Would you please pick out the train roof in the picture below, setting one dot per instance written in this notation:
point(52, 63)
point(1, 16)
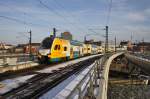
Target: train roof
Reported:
point(94, 45)
point(75, 42)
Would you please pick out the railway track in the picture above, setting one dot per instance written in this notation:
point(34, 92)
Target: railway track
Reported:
point(27, 71)
point(41, 83)
point(23, 72)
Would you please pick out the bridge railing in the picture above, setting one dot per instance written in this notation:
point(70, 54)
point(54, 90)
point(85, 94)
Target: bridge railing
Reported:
point(84, 84)
point(141, 58)
point(104, 77)
point(139, 62)
point(90, 83)
point(19, 66)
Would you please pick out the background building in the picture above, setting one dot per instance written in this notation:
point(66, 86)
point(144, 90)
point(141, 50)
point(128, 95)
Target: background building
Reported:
point(34, 48)
point(142, 47)
point(127, 45)
point(5, 46)
point(24, 48)
point(66, 35)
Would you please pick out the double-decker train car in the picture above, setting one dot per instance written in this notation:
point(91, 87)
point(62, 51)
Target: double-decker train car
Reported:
point(89, 49)
point(99, 49)
point(54, 49)
point(94, 49)
point(75, 49)
point(85, 49)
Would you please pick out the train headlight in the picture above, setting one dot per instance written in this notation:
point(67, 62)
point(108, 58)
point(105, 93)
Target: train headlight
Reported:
point(44, 52)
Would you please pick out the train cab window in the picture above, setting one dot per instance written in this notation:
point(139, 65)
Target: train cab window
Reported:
point(65, 48)
point(47, 43)
point(57, 47)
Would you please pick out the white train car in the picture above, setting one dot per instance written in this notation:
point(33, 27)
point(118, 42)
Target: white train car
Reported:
point(94, 49)
point(89, 49)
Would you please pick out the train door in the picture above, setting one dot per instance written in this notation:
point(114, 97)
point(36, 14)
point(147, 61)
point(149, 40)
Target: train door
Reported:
point(71, 52)
point(57, 51)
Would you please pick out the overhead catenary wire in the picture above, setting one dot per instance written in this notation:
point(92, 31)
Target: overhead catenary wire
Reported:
point(94, 33)
point(13, 19)
point(60, 15)
point(110, 6)
point(10, 7)
point(55, 12)
point(70, 14)
point(18, 21)
point(62, 7)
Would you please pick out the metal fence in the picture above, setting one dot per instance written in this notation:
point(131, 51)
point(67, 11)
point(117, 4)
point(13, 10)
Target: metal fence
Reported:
point(90, 83)
point(85, 85)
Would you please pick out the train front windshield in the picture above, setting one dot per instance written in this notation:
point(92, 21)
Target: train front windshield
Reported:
point(47, 43)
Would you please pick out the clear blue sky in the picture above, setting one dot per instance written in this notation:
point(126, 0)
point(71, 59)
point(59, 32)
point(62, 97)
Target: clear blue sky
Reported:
point(77, 16)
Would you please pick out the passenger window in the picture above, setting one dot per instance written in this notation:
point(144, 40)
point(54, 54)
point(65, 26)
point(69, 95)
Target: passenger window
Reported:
point(56, 47)
point(65, 48)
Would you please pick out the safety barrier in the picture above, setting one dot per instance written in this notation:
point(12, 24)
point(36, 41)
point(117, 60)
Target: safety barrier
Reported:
point(142, 63)
point(141, 58)
point(84, 83)
point(19, 66)
point(104, 78)
point(91, 83)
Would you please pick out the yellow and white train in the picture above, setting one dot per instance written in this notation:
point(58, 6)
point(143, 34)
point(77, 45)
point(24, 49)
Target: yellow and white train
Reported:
point(54, 49)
